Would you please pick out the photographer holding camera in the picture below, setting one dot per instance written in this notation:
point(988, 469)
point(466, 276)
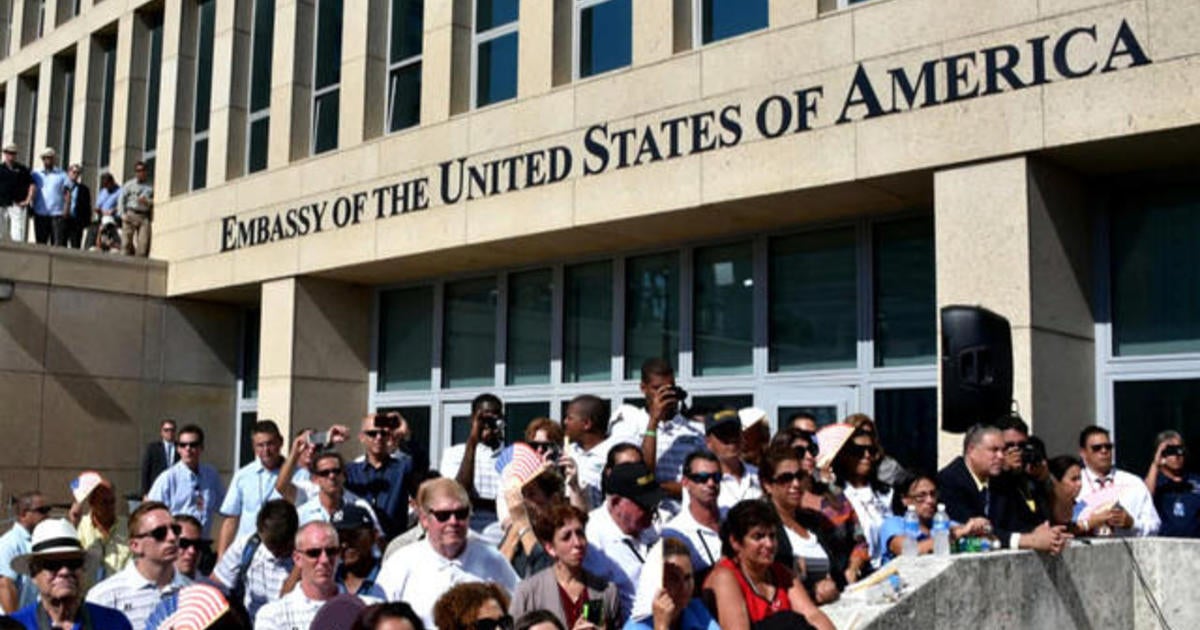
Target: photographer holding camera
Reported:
point(1023, 475)
point(473, 464)
point(1176, 492)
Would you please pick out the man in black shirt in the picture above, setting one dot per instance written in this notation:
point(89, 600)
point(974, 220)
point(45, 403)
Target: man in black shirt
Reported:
point(16, 195)
point(79, 208)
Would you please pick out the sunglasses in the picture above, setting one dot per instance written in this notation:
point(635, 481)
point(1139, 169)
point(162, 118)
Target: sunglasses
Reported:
point(810, 449)
point(503, 623)
point(375, 434)
point(199, 543)
point(859, 450)
point(789, 477)
point(1096, 448)
point(542, 447)
point(315, 552)
point(461, 514)
point(1174, 450)
point(703, 478)
point(183, 445)
point(159, 533)
point(43, 510)
point(1010, 446)
point(329, 473)
point(54, 565)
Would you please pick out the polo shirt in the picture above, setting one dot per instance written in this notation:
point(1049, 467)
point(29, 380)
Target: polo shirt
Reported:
point(312, 510)
point(419, 575)
point(294, 611)
point(52, 186)
point(487, 478)
point(106, 554)
point(384, 489)
point(590, 465)
point(132, 594)
point(1134, 498)
point(251, 486)
point(1178, 504)
point(735, 490)
point(14, 543)
point(197, 493)
point(100, 616)
point(367, 588)
point(703, 542)
point(264, 577)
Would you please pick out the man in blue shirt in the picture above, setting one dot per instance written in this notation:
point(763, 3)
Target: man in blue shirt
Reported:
point(382, 479)
point(106, 208)
point(50, 204)
point(252, 485)
point(16, 590)
point(1176, 492)
point(189, 487)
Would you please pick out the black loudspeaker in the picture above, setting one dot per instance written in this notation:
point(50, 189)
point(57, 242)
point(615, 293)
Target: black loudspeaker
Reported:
point(977, 367)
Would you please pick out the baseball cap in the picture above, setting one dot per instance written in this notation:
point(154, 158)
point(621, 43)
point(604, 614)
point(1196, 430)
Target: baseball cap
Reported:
point(717, 419)
point(635, 482)
point(351, 516)
point(751, 415)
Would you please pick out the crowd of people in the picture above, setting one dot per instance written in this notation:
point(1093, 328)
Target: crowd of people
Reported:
point(64, 211)
point(653, 517)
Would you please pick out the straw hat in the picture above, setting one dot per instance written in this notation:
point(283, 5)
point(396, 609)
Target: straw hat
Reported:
point(53, 537)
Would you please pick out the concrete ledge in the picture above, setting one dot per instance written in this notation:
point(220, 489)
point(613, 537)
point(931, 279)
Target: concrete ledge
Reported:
point(41, 264)
point(1092, 585)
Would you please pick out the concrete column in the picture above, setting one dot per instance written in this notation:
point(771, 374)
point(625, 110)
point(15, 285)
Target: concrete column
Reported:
point(291, 81)
point(364, 69)
point(239, 90)
point(1014, 236)
point(224, 39)
point(174, 110)
point(16, 29)
point(654, 29)
point(314, 353)
point(129, 96)
point(82, 113)
point(535, 47)
point(41, 123)
point(11, 92)
point(51, 18)
point(446, 60)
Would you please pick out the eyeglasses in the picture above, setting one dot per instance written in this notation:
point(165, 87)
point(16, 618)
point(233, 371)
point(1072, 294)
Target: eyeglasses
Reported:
point(924, 496)
point(199, 543)
point(159, 533)
point(860, 450)
point(315, 552)
point(808, 449)
point(503, 623)
point(461, 514)
point(789, 477)
point(703, 478)
point(183, 445)
point(375, 434)
point(54, 565)
point(43, 509)
point(328, 473)
point(1096, 448)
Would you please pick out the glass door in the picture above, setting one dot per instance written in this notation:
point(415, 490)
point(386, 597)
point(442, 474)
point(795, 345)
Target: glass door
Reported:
point(826, 404)
point(455, 429)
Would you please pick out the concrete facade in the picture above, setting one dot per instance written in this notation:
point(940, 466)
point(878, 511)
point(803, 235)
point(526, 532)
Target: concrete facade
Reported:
point(1006, 165)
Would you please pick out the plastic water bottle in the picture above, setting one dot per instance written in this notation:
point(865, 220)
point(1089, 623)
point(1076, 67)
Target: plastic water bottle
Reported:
point(941, 532)
point(912, 531)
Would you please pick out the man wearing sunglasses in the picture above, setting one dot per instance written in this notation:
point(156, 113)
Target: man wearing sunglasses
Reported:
point(55, 566)
point(382, 479)
point(194, 550)
point(137, 589)
point(329, 473)
point(1134, 513)
point(739, 480)
point(422, 571)
point(1176, 492)
point(316, 555)
point(699, 524)
point(16, 590)
point(189, 486)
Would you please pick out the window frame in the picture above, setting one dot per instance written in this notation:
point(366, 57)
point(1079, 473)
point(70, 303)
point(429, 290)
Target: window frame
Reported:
point(698, 25)
point(394, 68)
point(319, 93)
point(255, 115)
point(202, 136)
point(579, 6)
point(478, 39)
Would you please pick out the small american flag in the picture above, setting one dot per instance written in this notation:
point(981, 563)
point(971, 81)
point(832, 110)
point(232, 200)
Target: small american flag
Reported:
point(198, 607)
point(525, 465)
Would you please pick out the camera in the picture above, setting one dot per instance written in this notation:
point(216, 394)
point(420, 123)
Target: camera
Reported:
point(387, 421)
point(1032, 453)
point(319, 439)
point(1173, 450)
point(680, 393)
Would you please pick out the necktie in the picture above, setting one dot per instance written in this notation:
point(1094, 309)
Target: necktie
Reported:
point(170, 453)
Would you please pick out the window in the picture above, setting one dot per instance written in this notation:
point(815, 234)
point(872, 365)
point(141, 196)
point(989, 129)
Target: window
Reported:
point(494, 62)
point(907, 423)
point(905, 293)
point(1144, 408)
point(405, 39)
point(722, 19)
point(327, 75)
point(651, 310)
point(813, 308)
point(153, 61)
point(469, 336)
point(518, 415)
point(603, 35)
point(66, 93)
point(247, 391)
point(108, 52)
point(252, 321)
point(723, 317)
point(587, 322)
point(406, 339)
point(206, 16)
point(530, 320)
point(258, 122)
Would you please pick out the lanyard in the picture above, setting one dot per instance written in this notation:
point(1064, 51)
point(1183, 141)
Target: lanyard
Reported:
point(633, 547)
point(708, 552)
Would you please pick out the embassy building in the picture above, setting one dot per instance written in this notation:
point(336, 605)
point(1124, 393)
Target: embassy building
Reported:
point(393, 204)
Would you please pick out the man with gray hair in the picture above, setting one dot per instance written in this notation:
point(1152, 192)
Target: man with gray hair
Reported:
point(965, 487)
point(1176, 491)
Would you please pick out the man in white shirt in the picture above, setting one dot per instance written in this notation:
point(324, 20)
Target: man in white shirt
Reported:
point(586, 427)
point(422, 571)
point(137, 589)
point(1134, 514)
point(252, 485)
point(622, 529)
point(739, 480)
point(256, 566)
point(699, 524)
point(473, 464)
point(329, 473)
point(316, 554)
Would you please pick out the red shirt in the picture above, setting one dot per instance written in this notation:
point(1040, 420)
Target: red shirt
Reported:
point(757, 606)
point(572, 609)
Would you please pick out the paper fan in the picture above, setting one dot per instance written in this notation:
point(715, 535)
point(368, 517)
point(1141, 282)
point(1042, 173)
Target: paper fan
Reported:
point(84, 484)
point(526, 464)
point(198, 607)
point(1100, 500)
point(502, 460)
point(830, 440)
point(650, 580)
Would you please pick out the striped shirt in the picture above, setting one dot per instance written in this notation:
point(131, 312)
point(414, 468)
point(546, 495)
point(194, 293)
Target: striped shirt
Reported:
point(264, 577)
point(132, 594)
point(294, 611)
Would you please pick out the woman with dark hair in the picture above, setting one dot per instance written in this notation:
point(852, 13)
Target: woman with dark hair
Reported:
point(890, 470)
point(538, 620)
point(919, 490)
point(855, 466)
point(748, 585)
point(1066, 478)
point(564, 588)
point(675, 606)
point(388, 616)
point(473, 606)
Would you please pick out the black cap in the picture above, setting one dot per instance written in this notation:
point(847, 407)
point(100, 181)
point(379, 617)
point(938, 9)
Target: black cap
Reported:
point(635, 482)
point(351, 516)
point(721, 418)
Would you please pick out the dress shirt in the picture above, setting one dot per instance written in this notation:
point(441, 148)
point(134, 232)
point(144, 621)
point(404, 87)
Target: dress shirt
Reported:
point(590, 464)
point(169, 451)
point(294, 611)
point(100, 616)
point(12, 544)
point(312, 510)
point(704, 542)
point(186, 491)
point(1134, 498)
point(106, 200)
point(132, 594)
point(735, 489)
point(52, 188)
point(251, 486)
point(419, 575)
point(626, 553)
point(487, 478)
point(384, 489)
point(106, 554)
point(264, 577)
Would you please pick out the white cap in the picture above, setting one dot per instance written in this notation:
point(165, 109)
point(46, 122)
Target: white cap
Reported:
point(751, 415)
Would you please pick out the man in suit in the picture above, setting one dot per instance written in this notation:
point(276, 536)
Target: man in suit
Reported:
point(965, 487)
point(160, 455)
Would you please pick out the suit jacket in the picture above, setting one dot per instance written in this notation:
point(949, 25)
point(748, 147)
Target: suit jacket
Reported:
point(154, 461)
point(540, 592)
point(1004, 507)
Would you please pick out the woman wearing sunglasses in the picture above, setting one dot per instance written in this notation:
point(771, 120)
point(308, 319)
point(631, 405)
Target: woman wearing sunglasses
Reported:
point(855, 468)
point(920, 491)
point(473, 606)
